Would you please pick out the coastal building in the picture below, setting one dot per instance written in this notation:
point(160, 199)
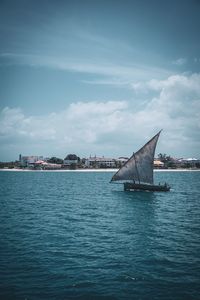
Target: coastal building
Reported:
point(70, 159)
point(120, 161)
point(43, 165)
point(29, 161)
point(100, 162)
point(158, 164)
point(187, 162)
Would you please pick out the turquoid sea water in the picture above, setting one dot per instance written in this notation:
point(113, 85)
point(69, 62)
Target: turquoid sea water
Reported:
point(72, 235)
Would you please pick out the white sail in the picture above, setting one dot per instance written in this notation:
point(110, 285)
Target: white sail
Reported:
point(139, 167)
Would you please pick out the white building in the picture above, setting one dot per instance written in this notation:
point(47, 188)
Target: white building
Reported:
point(191, 161)
point(158, 164)
point(100, 162)
point(46, 166)
point(121, 161)
point(28, 161)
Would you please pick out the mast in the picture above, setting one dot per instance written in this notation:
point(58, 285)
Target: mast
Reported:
point(136, 168)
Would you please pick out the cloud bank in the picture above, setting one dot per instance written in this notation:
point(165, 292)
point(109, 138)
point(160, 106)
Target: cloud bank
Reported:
point(114, 127)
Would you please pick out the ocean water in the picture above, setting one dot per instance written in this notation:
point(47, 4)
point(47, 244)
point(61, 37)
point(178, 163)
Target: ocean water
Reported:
point(72, 235)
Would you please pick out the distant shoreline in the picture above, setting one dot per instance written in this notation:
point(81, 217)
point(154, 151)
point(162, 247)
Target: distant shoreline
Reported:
point(95, 170)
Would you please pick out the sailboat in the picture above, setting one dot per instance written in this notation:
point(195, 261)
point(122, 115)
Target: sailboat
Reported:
point(137, 172)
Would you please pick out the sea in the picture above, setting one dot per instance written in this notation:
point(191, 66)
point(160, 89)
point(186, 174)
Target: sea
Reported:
point(73, 235)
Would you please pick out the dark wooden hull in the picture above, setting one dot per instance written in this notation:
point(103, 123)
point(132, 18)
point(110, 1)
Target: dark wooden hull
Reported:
point(128, 186)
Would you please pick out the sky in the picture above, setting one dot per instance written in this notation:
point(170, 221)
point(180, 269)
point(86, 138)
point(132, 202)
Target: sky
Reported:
point(99, 77)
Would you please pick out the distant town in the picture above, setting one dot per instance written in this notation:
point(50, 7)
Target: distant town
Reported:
point(73, 162)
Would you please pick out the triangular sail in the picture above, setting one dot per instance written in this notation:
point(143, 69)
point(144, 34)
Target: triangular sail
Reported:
point(139, 167)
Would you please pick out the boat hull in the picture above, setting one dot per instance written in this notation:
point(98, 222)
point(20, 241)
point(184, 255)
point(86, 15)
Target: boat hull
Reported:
point(128, 186)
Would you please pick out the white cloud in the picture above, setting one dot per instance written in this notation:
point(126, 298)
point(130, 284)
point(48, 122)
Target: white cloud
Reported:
point(113, 127)
point(76, 127)
point(113, 72)
point(180, 61)
point(176, 108)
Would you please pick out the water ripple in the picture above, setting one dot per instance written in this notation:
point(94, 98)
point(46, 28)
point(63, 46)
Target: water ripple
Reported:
point(75, 236)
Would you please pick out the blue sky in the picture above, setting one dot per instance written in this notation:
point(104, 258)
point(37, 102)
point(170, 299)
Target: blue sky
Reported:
point(99, 77)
